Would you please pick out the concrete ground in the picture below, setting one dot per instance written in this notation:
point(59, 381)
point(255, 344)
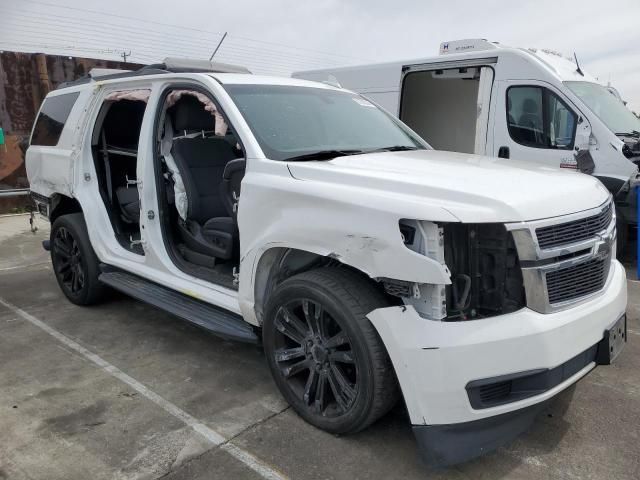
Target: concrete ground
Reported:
point(121, 391)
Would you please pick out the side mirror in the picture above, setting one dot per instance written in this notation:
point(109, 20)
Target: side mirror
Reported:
point(584, 161)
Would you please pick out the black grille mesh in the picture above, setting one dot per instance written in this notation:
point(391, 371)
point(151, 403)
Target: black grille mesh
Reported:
point(574, 231)
point(577, 281)
point(495, 392)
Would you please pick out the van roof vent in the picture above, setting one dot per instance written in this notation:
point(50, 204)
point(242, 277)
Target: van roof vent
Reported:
point(467, 45)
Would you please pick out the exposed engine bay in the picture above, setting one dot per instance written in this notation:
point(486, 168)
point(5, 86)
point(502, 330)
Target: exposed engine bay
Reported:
point(486, 278)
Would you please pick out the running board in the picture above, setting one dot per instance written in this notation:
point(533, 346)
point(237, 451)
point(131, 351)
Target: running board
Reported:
point(218, 321)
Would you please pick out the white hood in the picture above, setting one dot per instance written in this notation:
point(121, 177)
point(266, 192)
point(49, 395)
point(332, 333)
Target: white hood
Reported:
point(470, 187)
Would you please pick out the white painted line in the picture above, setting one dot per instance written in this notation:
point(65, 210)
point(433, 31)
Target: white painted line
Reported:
point(20, 267)
point(211, 435)
point(252, 462)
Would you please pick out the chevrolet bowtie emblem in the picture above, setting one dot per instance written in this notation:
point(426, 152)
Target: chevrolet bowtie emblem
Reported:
point(602, 247)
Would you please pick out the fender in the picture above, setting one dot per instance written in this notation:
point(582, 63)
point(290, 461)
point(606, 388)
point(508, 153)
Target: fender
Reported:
point(358, 229)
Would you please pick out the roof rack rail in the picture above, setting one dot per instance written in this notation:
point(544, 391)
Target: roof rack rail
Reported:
point(175, 64)
point(169, 65)
point(105, 72)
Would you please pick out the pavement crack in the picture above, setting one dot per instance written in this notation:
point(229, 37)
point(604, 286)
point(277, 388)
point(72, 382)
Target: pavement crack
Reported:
point(228, 441)
point(256, 424)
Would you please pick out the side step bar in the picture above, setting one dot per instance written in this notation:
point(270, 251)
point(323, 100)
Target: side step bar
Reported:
point(218, 321)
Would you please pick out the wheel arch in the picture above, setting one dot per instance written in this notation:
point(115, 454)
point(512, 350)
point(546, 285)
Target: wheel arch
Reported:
point(63, 205)
point(276, 264)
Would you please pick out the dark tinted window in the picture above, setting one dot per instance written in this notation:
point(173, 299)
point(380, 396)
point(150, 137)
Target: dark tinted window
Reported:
point(538, 118)
point(50, 122)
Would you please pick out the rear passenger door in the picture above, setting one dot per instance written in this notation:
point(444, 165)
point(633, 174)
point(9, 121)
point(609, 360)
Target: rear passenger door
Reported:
point(534, 122)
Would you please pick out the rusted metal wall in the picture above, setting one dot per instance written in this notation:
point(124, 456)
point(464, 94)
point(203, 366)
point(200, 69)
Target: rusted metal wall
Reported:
point(25, 79)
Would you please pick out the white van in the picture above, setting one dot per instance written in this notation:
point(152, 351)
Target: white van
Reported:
point(301, 216)
point(480, 97)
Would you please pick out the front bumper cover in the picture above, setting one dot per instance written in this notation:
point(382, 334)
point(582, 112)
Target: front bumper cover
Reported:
point(445, 445)
point(435, 361)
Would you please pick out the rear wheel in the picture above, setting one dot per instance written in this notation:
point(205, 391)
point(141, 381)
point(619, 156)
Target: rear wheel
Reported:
point(74, 262)
point(325, 356)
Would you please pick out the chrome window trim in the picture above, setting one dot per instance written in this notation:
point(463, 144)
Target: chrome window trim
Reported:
point(536, 264)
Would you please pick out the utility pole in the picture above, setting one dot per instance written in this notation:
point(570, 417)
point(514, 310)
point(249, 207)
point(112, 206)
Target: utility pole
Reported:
point(124, 56)
point(43, 75)
point(219, 43)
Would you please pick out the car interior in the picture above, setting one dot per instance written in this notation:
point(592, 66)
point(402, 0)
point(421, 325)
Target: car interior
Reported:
point(201, 167)
point(115, 154)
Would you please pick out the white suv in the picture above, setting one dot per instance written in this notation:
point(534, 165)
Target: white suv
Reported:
point(368, 265)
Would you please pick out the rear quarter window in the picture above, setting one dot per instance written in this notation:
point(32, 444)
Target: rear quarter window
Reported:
point(51, 119)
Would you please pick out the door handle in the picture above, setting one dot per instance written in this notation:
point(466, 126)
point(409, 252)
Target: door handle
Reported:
point(503, 152)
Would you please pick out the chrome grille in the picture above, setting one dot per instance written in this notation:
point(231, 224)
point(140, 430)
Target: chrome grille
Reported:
point(575, 231)
point(578, 280)
point(565, 260)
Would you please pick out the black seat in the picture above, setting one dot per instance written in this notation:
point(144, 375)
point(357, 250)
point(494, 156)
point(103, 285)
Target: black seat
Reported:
point(129, 201)
point(209, 229)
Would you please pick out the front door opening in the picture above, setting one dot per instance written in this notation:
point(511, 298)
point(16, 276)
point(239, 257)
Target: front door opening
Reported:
point(199, 169)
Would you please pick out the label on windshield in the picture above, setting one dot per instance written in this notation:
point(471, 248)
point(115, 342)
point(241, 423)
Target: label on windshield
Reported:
point(363, 102)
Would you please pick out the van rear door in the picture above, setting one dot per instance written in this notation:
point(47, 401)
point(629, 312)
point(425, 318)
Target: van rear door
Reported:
point(535, 122)
point(447, 103)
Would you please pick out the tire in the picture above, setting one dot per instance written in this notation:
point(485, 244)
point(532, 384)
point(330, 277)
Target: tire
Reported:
point(325, 356)
point(75, 264)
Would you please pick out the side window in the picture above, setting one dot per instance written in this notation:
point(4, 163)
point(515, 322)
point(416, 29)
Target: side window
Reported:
point(53, 115)
point(537, 118)
point(562, 123)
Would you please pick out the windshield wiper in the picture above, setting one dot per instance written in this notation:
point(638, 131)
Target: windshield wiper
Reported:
point(632, 133)
point(331, 154)
point(323, 155)
point(394, 148)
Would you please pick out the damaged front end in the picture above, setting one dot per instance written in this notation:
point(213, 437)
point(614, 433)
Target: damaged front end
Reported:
point(485, 272)
point(477, 357)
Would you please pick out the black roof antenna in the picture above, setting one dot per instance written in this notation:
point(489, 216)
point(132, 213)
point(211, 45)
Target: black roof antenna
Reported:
point(578, 69)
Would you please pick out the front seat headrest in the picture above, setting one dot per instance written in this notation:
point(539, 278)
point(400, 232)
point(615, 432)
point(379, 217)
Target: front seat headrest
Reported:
point(190, 115)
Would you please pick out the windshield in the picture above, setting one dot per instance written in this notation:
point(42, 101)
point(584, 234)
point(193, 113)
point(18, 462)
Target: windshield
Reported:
point(615, 115)
point(294, 123)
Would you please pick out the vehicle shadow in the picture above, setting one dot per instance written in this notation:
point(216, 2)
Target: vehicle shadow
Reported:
point(520, 455)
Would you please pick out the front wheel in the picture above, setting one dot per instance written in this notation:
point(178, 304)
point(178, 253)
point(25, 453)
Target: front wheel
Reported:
point(325, 356)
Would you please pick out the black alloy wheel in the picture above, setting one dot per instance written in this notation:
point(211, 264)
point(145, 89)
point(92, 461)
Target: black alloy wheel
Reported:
point(315, 356)
point(324, 354)
point(68, 261)
point(75, 264)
